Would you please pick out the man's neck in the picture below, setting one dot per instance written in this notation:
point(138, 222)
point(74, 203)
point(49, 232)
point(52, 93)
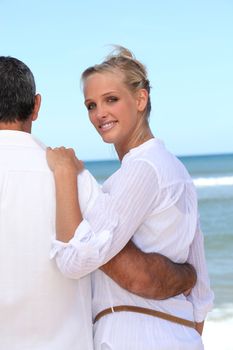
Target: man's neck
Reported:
point(17, 126)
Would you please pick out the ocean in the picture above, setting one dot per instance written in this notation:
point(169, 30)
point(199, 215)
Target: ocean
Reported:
point(213, 177)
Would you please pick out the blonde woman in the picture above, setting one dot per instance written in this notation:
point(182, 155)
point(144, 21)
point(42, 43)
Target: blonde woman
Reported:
point(150, 200)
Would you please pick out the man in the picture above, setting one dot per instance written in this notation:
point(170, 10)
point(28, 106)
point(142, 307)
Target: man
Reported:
point(39, 308)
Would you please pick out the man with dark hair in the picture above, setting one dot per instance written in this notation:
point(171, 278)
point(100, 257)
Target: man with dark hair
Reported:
point(17, 91)
point(39, 308)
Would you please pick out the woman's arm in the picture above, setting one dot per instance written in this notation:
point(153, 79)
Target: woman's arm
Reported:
point(111, 222)
point(201, 295)
point(65, 167)
point(134, 270)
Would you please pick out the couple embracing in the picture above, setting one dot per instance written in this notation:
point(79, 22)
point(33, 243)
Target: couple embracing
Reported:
point(85, 267)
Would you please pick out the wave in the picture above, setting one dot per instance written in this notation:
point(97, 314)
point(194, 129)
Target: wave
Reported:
point(213, 181)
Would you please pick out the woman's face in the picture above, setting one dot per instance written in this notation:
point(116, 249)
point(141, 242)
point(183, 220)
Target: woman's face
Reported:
point(113, 109)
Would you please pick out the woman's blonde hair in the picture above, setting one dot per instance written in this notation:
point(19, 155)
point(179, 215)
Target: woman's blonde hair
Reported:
point(134, 71)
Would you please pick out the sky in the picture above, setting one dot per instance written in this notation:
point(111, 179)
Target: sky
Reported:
point(186, 45)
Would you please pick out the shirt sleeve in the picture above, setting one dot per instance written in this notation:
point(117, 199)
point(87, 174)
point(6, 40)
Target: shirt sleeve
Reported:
point(111, 222)
point(201, 295)
point(89, 191)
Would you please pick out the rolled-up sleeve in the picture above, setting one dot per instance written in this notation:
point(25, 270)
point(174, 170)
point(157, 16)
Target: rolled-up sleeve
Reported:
point(111, 222)
point(201, 296)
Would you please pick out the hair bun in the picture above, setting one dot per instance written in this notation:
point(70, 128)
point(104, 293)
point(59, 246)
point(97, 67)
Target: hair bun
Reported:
point(120, 51)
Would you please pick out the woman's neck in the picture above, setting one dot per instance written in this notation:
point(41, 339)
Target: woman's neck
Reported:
point(141, 137)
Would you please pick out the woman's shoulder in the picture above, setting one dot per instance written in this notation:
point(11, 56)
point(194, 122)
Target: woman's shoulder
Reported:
point(167, 167)
point(143, 156)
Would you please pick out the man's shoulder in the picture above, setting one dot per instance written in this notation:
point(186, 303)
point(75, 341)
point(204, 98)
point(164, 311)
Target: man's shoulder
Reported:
point(23, 152)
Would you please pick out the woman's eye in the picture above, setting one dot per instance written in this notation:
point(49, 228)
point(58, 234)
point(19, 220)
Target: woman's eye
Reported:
point(112, 99)
point(91, 106)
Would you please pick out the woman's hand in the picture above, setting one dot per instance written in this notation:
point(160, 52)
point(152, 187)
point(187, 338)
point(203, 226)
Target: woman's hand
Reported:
point(63, 159)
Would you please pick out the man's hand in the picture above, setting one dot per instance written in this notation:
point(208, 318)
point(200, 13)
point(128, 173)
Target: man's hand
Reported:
point(187, 292)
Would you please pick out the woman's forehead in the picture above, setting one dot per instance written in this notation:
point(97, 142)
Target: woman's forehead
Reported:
point(104, 80)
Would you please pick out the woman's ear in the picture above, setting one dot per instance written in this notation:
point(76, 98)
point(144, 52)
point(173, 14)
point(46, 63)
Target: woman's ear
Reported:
point(142, 99)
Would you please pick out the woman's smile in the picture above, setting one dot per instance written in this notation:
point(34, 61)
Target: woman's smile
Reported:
point(106, 126)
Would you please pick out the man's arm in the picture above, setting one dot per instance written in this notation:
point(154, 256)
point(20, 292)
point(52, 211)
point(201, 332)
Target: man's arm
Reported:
point(149, 275)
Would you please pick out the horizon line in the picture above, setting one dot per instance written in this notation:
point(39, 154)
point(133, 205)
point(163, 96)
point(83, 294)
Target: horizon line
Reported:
point(178, 156)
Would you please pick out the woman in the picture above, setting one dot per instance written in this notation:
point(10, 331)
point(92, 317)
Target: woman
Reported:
point(150, 199)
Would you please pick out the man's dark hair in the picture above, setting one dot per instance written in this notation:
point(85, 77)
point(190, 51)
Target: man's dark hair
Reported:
point(17, 90)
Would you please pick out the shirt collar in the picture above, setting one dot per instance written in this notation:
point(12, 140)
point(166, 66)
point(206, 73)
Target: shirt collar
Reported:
point(137, 150)
point(19, 138)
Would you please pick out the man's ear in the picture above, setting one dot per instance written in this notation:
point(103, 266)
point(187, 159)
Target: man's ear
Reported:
point(36, 107)
point(142, 99)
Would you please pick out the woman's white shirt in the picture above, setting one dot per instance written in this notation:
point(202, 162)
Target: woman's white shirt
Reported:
point(151, 199)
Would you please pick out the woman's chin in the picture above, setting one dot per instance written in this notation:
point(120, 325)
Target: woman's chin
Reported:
point(107, 140)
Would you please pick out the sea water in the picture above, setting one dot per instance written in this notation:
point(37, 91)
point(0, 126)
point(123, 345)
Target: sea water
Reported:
point(213, 177)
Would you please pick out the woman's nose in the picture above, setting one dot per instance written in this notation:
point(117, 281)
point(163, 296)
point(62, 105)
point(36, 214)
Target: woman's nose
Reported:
point(101, 112)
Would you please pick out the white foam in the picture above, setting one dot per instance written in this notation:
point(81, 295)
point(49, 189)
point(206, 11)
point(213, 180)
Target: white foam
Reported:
point(213, 181)
point(218, 330)
point(218, 335)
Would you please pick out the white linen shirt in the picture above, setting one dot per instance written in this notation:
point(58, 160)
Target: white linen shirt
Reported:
point(152, 200)
point(39, 308)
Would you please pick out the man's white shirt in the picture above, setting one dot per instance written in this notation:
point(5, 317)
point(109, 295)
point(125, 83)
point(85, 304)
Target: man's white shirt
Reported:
point(39, 308)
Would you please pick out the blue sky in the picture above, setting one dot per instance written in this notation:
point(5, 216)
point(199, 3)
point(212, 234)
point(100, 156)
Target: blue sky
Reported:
point(186, 45)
